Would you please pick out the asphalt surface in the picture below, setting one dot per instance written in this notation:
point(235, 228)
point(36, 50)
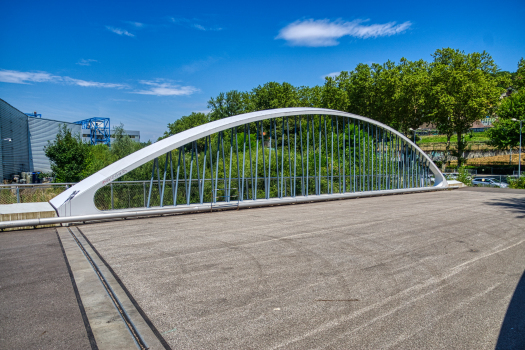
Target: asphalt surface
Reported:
point(493, 190)
point(422, 271)
point(38, 307)
point(441, 270)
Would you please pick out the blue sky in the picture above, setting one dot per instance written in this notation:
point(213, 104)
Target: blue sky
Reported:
point(145, 64)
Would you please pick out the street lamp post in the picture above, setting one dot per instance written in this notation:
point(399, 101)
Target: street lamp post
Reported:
point(519, 159)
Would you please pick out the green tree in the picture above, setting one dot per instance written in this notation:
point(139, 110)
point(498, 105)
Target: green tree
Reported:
point(386, 82)
point(184, 123)
point(370, 91)
point(512, 106)
point(505, 133)
point(359, 87)
point(463, 90)
point(68, 155)
point(122, 145)
point(229, 104)
point(97, 158)
point(333, 94)
point(310, 96)
point(100, 156)
point(411, 95)
point(274, 95)
point(519, 78)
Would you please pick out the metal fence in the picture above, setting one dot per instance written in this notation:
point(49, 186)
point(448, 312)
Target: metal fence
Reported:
point(21, 193)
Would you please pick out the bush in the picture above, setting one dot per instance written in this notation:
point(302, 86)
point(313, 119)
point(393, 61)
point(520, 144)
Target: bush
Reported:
point(517, 182)
point(464, 176)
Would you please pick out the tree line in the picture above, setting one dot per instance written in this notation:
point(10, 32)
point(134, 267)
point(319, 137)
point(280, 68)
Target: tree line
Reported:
point(449, 93)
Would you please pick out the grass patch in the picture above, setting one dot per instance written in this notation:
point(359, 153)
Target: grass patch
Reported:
point(478, 137)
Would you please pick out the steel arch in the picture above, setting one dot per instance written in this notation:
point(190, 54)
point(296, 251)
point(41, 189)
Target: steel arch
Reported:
point(79, 199)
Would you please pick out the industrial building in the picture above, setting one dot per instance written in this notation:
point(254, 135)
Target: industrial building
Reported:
point(24, 136)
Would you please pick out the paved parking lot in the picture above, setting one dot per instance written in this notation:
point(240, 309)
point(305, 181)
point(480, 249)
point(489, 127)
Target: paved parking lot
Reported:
point(437, 270)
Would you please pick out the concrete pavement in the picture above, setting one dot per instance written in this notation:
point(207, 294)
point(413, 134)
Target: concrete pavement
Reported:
point(38, 306)
point(420, 271)
point(442, 270)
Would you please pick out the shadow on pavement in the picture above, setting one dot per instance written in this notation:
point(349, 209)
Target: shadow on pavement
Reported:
point(516, 205)
point(512, 333)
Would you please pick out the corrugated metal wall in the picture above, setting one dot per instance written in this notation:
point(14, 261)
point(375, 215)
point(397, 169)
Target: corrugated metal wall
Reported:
point(14, 149)
point(41, 131)
point(22, 141)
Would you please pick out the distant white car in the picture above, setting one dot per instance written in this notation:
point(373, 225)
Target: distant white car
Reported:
point(488, 182)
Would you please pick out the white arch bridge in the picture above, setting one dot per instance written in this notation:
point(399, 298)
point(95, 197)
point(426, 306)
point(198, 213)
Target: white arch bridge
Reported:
point(277, 156)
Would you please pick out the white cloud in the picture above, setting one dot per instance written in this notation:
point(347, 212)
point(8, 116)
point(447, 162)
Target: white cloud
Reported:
point(323, 32)
point(87, 62)
point(161, 87)
point(135, 24)
point(119, 31)
point(200, 27)
point(158, 87)
point(86, 83)
point(16, 77)
point(192, 23)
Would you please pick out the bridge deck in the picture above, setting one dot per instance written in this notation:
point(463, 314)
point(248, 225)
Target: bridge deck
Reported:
point(436, 270)
point(420, 271)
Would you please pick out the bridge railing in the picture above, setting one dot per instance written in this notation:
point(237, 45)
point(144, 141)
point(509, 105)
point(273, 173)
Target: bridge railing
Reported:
point(28, 193)
point(261, 156)
point(275, 158)
point(135, 194)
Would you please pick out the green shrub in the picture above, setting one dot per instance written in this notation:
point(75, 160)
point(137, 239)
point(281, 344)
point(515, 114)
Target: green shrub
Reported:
point(464, 176)
point(517, 182)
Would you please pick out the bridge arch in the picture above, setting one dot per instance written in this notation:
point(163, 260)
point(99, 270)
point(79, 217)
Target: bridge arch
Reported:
point(370, 157)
